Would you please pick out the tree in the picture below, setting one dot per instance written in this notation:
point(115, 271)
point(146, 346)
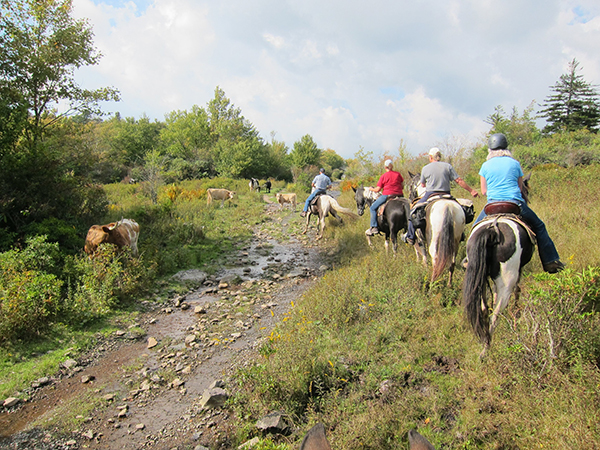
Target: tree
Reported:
point(574, 104)
point(305, 153)
point(41, 46)
point(518, 129)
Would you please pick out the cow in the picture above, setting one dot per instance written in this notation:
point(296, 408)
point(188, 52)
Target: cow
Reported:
point(218, 194)
point(268, 186)
point(286, 198)
point(123, 233)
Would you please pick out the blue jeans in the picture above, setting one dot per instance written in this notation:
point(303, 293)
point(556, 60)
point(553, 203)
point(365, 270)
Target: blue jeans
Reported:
point(410, 233)
point(546, 248)
point(311, 196)
point(376, 204)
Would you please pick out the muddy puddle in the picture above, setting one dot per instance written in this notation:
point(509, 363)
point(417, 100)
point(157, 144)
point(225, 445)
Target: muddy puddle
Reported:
point(137, 397)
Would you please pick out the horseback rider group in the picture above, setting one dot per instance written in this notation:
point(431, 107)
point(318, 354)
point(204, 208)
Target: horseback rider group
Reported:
point(501, 179)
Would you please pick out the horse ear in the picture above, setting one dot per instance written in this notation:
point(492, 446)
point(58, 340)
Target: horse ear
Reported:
point(353, 188)
point(410, 174)
point(527, 177)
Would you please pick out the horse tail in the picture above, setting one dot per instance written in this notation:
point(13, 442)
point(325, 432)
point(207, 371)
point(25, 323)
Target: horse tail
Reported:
point(445, 245)
point(479, 247)
point(340, 209)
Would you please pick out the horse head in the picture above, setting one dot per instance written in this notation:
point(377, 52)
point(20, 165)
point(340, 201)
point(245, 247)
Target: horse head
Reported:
point(359, 197)
point(414, 186)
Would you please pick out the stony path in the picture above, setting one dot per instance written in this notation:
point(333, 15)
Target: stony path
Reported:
point(145, 387)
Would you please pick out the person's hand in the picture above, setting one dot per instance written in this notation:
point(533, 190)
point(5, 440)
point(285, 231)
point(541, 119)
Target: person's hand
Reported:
point(474, 193)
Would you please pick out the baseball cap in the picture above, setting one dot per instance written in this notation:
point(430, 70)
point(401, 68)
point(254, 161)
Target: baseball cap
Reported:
point(387, 163)
point(435, 151)
point(322, 170)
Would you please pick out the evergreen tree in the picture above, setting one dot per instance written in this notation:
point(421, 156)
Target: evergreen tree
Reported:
point(574, 104)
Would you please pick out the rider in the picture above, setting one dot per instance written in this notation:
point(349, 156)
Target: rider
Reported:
point(320, 185)
point(501, 179)
point(435, 178)
point(390, 185)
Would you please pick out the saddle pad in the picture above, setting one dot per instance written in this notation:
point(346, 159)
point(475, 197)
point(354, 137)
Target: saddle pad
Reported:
point(381, 209)
point(494, 218)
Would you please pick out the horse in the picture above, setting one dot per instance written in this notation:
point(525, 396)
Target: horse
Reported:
point(446, 222)
point(254, 185)
point(394, 218)
point(498, 248)
point(322, 206)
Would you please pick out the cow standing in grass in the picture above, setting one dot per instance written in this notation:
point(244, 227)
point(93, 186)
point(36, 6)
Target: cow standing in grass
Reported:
point(218, 194)
point(123, 233)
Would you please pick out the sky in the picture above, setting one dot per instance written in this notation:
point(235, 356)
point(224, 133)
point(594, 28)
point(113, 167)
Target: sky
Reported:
point(352, 74)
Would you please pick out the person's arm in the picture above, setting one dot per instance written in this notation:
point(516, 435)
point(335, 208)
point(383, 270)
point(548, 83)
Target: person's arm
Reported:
point(483, 185)
point(462, 183)
point(376, 188)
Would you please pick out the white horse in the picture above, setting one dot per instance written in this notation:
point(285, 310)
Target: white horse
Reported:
point(325, 205)
point(446, 223)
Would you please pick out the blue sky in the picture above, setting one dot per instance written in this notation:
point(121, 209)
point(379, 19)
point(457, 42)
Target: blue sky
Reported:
point(349, 73)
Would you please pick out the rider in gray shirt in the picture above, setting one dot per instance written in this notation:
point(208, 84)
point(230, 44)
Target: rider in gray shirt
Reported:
point(436, 178)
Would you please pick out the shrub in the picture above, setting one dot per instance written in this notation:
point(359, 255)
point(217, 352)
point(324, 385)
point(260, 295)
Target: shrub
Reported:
point(29, 294)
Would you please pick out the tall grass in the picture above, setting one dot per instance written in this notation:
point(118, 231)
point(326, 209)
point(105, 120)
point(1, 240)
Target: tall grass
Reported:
point(372, 351)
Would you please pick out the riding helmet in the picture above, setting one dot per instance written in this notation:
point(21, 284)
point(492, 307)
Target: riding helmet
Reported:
point(497, 142)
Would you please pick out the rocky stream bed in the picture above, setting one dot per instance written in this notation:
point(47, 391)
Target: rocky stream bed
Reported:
point(160, 382)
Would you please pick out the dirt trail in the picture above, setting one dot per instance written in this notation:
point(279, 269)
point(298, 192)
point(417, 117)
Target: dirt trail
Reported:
point(150, 397)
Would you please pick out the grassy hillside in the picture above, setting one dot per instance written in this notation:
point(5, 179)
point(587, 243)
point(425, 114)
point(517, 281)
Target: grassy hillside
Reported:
point(372, 352)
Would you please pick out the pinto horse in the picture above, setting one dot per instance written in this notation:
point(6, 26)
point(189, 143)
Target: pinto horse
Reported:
point(321, 207)
point(497, 249)
point(444, 230)
point(394, 217)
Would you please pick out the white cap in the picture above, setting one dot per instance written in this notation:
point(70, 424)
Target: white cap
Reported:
point(435, 151)
point(387, 163)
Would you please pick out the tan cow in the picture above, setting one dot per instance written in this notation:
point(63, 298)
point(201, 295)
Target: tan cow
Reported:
point(286, 198)
point(218, 194)
point(123, 233)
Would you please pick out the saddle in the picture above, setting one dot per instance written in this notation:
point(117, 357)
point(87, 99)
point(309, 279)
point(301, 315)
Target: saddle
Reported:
point(418, 213)
point(313, 202)
point(494, 208)
point(390, 198)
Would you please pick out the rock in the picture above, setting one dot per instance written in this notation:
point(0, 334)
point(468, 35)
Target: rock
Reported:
point(88, 434)
point(119, 333)
point(193, 275)
point(152, 342)
point(274, 422)
point(190, 338)
point(212, 398)
point(324, 267)
point(217, 384)
point(315, 439)
point(177, 382)
point(87, 378)
point(140, 426)
point(185, 306)
point(69, 364)
point(10, 402)
point(199, 310)
point(249, 444)
point(109, 397)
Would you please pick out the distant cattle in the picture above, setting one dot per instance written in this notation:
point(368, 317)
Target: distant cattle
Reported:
point(268, 186)
point(218, 194)
point(286, 198)
point(123, 233)
point(254, 185)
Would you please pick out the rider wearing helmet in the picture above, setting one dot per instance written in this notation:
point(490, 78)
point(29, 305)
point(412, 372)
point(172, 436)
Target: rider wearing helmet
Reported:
point(435, 178)
point(390, 184)
point(501, 179)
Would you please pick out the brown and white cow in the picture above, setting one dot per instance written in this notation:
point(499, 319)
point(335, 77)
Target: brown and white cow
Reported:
point(286, 198)
point(218, 194)
point(123, 233)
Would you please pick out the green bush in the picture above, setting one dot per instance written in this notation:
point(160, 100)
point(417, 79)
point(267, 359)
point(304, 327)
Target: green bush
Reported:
point(29, 293)
point(101, 283)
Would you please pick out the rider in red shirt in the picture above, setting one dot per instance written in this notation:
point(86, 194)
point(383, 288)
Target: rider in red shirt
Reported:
point(389, 184)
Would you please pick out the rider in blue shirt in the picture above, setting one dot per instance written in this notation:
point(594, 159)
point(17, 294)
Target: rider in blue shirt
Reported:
point(320, 184)
point(501, 179)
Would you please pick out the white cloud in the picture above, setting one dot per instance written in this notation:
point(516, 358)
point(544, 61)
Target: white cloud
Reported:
point(348, 74)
